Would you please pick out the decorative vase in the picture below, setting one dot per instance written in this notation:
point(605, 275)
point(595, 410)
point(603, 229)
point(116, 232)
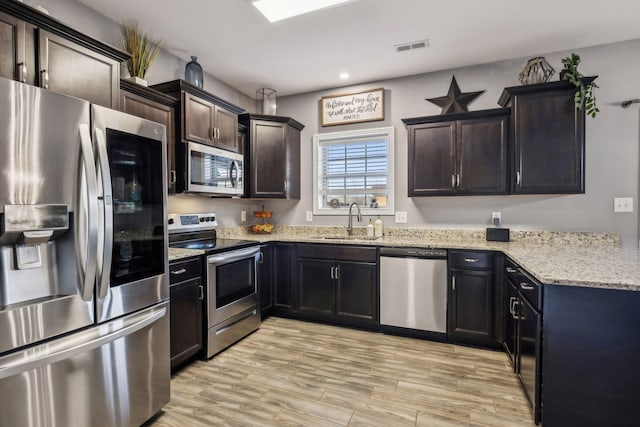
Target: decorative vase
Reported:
point(266, 101)
point(193, 72)
point(138, 81)
point(537, 70)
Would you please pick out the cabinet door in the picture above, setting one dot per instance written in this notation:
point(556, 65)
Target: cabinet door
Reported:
point(68, 68)
point(268, 159)
point(548, 143)
point(265, 278)
point(431, 159)
point(470, 305)
point(292, 163)
point(283, 275)
point(510, 295)
point(186, 320)
point(198, 119)
point(482, 156)
point(357, 290)
point(147, 109)
point(15, 64)
point(226, 123)
point(316, 286)
point(528, 353)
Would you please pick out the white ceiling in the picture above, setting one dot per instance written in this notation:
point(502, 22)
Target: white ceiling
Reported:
point(235, 43)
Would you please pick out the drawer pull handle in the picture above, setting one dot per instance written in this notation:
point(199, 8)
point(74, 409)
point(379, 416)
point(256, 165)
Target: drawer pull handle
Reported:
point(472, 260)
point(181, 271)
point(512, 302)
point(511, 270)
point(201, 293)
point(527, 287)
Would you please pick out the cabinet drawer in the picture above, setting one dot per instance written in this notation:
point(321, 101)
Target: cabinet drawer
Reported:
point(182, 270)
point(511, 270)
point(530, 289)
point(339, 252)
point(471, 260)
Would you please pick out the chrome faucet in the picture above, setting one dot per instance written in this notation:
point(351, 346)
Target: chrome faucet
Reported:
point(359, 218)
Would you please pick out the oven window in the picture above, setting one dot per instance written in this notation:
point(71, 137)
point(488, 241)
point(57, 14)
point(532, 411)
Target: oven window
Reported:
point(234, 281)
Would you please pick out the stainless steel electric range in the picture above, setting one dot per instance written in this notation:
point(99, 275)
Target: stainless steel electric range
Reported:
point(232, 305)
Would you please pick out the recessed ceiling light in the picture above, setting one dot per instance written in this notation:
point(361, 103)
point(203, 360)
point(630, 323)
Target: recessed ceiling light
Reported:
point(344, 76)
point(277, 10)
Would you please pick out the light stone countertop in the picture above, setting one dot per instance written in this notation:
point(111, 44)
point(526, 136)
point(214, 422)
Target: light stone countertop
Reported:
point(180, 253)
point(574, 259)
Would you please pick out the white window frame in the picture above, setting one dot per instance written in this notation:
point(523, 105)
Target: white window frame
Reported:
point(338, 137)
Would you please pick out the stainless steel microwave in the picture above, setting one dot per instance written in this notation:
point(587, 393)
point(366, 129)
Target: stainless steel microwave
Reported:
point(212, 170)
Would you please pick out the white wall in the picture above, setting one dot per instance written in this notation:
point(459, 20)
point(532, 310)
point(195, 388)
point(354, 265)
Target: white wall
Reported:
point(611, 147)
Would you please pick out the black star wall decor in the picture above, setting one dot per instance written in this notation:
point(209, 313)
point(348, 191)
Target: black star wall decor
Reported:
point(455, 101)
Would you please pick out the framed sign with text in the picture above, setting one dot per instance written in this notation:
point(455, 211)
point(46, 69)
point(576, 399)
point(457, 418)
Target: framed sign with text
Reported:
point(353, 107)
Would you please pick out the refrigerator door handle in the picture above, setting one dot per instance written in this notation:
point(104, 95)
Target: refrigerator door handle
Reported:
point(37, 357)
point(105, 251)
point(88, 253)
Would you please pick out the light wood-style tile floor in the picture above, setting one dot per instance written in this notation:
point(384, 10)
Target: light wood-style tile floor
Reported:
point(292, 373)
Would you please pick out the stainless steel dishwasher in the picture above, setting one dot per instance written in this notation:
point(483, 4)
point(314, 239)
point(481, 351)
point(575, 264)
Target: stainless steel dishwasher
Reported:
point(413, 288)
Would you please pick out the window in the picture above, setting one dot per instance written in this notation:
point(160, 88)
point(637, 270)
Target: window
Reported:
point(353, 166)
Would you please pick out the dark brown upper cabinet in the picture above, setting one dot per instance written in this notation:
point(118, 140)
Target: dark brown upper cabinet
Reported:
point(458, 154)
point(272, 156)
point(152, 105)
point(38, 49)
point(203, 117)
point(548, 138)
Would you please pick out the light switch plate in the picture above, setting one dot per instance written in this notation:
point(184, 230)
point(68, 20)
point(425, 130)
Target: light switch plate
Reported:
point(309, 215)
point(401, 217)
point(623, 204)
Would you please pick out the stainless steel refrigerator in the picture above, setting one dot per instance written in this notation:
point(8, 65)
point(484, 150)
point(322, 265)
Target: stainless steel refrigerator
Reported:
point(84, 324)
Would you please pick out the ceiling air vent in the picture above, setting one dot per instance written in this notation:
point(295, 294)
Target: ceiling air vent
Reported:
point(404, 47)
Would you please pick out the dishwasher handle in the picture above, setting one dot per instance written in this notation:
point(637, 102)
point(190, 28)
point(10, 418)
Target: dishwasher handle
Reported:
point(427, 253)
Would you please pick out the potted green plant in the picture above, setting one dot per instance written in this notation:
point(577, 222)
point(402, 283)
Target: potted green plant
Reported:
point(585, 98)
point(142, 48)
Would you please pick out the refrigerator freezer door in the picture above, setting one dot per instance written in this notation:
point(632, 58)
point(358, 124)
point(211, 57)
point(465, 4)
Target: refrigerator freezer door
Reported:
point(131, 156)
point(116, 374)
point(46, 185)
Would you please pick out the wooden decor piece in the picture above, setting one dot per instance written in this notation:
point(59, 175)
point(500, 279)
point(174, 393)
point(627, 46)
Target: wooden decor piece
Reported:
point(455, 101)
point(353, 107)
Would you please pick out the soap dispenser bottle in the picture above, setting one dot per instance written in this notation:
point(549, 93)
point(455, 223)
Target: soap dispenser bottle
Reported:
point(370, 232)
point(378, 227)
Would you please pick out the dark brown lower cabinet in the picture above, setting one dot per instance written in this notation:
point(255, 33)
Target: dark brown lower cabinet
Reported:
point(471, 317)
point(283, 276)
point(186, 293)
point(337, 284)
point(265, 278)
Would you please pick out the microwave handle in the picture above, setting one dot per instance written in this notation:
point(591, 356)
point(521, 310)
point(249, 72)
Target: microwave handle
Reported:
point(233, 178)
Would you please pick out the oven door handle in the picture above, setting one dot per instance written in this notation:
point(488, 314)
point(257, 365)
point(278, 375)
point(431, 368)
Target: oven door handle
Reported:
point(233, 256)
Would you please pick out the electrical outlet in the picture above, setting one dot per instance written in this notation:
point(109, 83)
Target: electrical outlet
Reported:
point(401, 217)
point(243, 216)
point(309, 216)
point(623, 204)
point(496, 218)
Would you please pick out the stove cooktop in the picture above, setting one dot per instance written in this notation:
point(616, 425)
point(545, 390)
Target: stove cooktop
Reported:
point(214, 245)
